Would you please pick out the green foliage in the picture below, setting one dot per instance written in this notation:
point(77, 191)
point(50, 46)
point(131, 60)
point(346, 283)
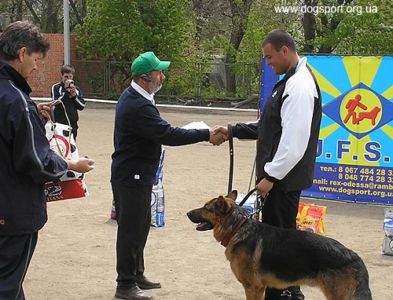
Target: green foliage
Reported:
point(261, 21)
point(362, 27)
point(367, 34)
point(118, 30)
point(121, 29)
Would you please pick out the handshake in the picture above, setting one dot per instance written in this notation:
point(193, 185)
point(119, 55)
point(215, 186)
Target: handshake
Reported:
point(218, 135)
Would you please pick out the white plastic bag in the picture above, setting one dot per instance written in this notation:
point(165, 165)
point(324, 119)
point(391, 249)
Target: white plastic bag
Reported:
point(158, 197)
point(387, 245)
point(70, 185)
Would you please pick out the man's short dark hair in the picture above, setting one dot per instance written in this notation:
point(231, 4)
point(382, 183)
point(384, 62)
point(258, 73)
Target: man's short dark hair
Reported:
point(278, 38)
point(67, 69)
point(22, 34)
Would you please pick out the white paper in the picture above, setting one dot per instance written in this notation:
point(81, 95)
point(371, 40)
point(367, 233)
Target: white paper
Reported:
point(196, 125)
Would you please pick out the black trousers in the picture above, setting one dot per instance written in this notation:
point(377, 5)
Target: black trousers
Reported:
point(133, 215)
point(15, 256)
point(280, 209)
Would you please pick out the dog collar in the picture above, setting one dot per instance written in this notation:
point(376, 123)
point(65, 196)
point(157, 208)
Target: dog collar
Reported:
point(226, 239)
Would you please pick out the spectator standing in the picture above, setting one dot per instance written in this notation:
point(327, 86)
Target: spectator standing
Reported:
point(71, 97)
point(27, 161)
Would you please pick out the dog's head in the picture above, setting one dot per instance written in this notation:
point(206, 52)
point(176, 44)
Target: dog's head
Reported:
point(211, 214)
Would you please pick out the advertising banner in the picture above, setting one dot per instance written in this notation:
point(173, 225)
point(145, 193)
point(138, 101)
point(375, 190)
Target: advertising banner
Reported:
point(355, 149)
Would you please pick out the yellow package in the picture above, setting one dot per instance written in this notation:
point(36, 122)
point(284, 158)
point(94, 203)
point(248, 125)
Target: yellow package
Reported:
point(310, 217)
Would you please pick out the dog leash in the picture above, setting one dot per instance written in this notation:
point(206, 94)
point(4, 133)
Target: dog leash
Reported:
point(230, 179)
point(247, 196)
point(258, 210)
point(231, 158)
point(245, 217)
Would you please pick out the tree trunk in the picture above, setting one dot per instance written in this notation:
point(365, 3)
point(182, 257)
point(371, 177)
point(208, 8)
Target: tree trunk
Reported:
point(84, 9)
point(197, 7)
point(309, 28)
point(36, 18)
point(329, 27)
point(19, 10)
point(240, 11)
point(78, 17)
point(51, 17)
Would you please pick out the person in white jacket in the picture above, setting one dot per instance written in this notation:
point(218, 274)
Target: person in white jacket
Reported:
point(287, 134)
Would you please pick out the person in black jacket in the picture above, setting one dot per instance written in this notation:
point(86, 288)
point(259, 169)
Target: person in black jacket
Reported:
point(71, 97)
point(287, 134)
point(138, 134)
point(27, 162)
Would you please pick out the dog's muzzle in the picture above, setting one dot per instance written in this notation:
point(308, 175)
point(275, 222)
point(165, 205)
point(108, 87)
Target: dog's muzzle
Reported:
point(202, 224)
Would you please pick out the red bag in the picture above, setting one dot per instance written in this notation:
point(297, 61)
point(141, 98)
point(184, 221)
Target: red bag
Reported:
point(62, 190)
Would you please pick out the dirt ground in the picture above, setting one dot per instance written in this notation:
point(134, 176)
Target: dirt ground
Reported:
point(75, 255)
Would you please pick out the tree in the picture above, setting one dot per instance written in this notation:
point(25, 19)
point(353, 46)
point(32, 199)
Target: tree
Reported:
point(221, 25)
point(11, 11)
point(123, 29)
point(369, 33)
point(47, 14)
point(239, 16)
point(262, 19)
point(119, 30)
point(356, 27)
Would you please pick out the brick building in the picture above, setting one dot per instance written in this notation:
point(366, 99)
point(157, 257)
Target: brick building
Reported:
point(49, 72)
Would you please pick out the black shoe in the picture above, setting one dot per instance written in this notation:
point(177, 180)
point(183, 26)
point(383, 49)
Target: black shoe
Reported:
point(131, 293)
point(146, 284)
point(292, 293)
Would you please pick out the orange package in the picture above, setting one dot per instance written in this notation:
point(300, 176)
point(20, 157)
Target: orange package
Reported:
point(310, 217)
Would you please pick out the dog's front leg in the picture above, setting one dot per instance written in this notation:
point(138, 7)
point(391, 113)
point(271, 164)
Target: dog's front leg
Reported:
point(254, 292)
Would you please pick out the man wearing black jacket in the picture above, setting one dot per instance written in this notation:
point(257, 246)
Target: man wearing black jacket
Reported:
point(287, 134)
point(71, 98)
point(26, 159)
point(139, 133)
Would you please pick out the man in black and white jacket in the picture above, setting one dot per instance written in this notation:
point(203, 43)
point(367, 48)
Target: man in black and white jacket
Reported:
point(287, 134)
point(72, 99)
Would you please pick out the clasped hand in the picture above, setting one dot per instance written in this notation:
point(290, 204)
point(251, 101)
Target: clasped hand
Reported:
point(218, 135)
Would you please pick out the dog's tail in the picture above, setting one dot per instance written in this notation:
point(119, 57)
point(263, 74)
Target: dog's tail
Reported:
point(362, 291)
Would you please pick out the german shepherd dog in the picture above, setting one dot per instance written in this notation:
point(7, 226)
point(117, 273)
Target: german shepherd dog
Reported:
point(266, 256)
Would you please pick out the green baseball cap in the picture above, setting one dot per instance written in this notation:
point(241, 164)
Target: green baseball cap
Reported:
point(147, 62)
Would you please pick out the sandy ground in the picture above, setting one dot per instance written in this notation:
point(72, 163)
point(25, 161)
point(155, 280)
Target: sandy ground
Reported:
point(75, 255)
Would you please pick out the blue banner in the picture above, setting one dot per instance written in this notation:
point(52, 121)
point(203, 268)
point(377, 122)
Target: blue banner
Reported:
point(355, 151)
point(268, 80)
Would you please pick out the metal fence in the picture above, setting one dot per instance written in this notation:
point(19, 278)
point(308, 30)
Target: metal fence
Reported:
point(197, 83)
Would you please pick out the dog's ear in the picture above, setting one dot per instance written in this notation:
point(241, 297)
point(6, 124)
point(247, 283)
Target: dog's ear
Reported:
point(222, 206)
point(233, 195)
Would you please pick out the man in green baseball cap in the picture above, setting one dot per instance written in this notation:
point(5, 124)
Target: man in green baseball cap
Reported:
point(139, 132)
point(147, 62)
point(147, 72)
